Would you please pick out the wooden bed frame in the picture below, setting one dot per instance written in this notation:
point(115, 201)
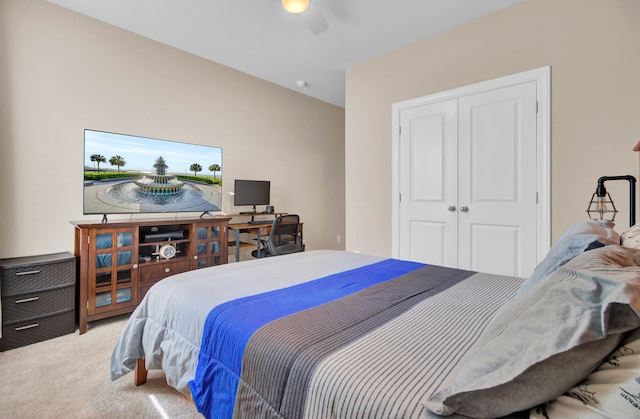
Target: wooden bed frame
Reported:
point(140, 377)
point(140, 373)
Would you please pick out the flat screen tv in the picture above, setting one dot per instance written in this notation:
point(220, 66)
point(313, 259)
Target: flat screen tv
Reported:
point(251, 192)
point(127, 174)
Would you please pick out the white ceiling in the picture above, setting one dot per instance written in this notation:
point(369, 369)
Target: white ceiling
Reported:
point(259, 38)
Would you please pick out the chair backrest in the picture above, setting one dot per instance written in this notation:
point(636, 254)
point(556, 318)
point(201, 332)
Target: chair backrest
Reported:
point(284, 236)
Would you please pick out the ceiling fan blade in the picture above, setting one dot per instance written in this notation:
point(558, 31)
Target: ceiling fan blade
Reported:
point(315, 19)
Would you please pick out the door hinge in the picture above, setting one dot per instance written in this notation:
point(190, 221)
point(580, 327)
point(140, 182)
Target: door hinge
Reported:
point(537, 107)
point(537, 198)
point(399, 197)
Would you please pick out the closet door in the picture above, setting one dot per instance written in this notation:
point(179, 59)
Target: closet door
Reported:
point(428, 184)
point(497, 181)
point(468, 181)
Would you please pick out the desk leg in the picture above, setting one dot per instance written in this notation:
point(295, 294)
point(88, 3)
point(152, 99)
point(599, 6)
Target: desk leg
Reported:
point(237, 246)
point(259, 252)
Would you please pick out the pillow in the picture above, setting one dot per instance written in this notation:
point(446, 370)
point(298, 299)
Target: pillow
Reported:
point(631, 237)
point(575, 240)
point(545, 341)
point(611, 391)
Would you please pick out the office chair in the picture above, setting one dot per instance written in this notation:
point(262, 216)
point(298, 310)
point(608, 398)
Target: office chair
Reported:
point(283, 238)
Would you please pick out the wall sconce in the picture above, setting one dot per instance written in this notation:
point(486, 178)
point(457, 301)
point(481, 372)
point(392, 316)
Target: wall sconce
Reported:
point(601, 203)
point(295, 6)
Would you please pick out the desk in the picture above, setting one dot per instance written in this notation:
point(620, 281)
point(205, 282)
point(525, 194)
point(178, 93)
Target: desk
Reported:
point(258, 229)
point(255, 214)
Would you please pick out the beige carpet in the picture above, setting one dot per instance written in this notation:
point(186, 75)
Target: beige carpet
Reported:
point(68, 377)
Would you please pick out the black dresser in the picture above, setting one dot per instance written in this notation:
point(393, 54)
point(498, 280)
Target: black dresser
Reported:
point(38, 298)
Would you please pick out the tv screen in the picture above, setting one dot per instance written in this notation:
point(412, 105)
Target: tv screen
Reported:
point(127, 174)
point(251, 192)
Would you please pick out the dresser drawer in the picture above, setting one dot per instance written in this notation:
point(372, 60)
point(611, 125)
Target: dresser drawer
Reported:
point(37, 303)
point(26, 332)
point(22, 277)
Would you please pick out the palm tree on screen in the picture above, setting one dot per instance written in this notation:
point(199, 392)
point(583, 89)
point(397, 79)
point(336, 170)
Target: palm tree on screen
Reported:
point(98, 158)
point(214, 168)
point(117, 161)
point(195, 168)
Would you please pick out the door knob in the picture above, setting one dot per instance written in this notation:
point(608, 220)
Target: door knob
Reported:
point(464, 209)
point(451, 208)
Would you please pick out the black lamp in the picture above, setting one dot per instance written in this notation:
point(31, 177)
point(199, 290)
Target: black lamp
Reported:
point(601, 203)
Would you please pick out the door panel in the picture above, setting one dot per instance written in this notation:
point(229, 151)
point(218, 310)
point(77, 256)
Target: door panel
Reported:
point(501, 256)
point(492, 150)
point(498, 180)
point(428, 241)
point(428, 183)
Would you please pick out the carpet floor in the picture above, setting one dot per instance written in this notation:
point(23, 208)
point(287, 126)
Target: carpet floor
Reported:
point(68, 377)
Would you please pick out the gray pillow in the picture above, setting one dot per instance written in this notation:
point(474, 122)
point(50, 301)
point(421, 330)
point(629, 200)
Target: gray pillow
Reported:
point(610, 391)
point(577, 239)
point(547, 340)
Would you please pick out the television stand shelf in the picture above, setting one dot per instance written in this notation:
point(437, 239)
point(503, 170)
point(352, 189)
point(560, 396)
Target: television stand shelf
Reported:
point(119, 261)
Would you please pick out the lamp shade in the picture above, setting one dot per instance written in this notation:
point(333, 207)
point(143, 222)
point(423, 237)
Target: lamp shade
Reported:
point(601, 205)
point(295, 6)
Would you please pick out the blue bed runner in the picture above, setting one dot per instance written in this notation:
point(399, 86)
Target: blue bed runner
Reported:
point(229, 326)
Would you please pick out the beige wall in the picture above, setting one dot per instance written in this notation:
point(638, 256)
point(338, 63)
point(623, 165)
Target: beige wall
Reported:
point(62, 72)
point(592, 48)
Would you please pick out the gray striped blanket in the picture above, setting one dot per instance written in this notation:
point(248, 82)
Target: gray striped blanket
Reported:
point(373, 354)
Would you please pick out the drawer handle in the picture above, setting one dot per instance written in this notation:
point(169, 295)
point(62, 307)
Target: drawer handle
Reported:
point(27, 273)
point(26, 300)
point(30, 326)
point(167, 270)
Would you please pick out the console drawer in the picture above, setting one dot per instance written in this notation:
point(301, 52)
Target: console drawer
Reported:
point(155, 271)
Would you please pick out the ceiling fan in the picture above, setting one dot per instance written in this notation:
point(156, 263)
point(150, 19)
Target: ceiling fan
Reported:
point(310, 12)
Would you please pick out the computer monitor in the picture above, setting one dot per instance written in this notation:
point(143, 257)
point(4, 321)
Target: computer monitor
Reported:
point(251, 192)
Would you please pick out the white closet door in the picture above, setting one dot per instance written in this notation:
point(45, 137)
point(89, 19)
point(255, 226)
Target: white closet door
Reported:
point(497, 169)
point(429, 183)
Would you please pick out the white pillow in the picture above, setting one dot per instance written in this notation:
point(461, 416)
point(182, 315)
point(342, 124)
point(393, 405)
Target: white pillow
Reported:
point(631, 237)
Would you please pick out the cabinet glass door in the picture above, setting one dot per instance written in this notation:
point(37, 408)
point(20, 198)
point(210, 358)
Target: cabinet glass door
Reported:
point(208, 246)
point(111, 282)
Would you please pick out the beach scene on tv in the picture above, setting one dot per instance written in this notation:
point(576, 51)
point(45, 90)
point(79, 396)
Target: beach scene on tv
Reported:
point(126, 174)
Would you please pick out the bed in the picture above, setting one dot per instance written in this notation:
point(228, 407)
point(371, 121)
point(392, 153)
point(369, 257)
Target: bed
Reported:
point(322, 334)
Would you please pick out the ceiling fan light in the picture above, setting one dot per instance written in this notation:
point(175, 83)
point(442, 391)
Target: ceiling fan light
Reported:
point(295, 6)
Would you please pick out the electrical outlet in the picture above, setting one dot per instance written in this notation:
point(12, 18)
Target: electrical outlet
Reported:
point(339, 239)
